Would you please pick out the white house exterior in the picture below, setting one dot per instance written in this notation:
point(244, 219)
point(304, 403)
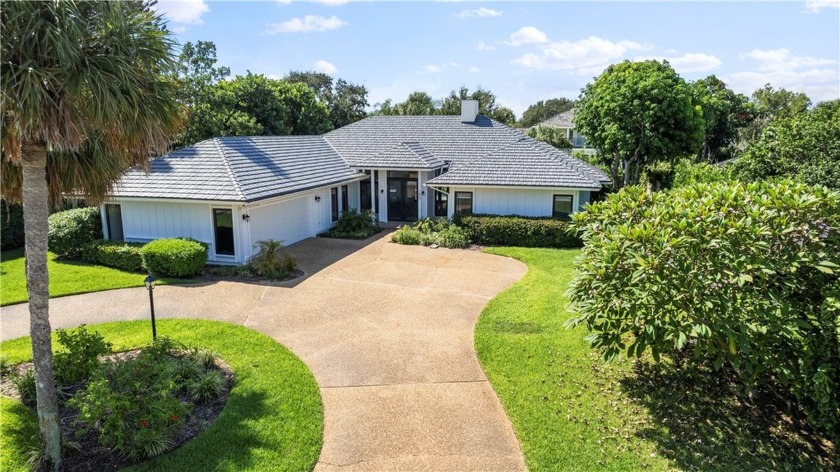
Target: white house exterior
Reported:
point(566, 122)
point(232, 192)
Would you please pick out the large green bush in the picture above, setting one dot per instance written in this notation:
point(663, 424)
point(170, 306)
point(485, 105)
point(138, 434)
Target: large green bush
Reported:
point(174, 257)
point(117, 254)
point(355, 225)
point(494, 230)
point(11, 225)
point(687, 172)
point(72, 230)
point(428, 231)
point(739, 275)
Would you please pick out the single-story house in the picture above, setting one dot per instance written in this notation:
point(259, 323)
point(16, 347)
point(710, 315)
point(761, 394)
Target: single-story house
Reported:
point(566, 122)
point(231, 192)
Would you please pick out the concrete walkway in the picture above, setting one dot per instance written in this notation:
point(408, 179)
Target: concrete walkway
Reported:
point(387, 330)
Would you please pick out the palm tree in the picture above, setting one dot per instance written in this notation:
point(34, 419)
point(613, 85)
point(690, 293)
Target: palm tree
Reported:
point(84, 96)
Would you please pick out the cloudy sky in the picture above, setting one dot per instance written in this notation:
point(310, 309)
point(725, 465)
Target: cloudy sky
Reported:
point(523, 52)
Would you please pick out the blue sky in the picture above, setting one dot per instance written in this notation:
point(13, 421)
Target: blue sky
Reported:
point(523, 52)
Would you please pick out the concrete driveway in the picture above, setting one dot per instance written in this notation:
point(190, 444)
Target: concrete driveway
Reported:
point(387, 330)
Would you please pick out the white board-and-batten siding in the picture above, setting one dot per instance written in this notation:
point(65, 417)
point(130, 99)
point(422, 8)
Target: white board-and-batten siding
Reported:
point(517, 201)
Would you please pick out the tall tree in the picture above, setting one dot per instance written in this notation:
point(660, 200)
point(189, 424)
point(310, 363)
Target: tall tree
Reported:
point(724, 113)
point(554, 136)
point(769, 104)
point(543, 110)
point(487, 106)
point(346, 101)
point(197, 75)
point(637, 113)
point(417, 103)
point(84, 96)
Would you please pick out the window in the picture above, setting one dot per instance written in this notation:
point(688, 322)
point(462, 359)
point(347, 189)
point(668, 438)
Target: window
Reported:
point(345, 199)
point(334, 201)
point(562, 206)
point(463, 203)
point(113, 220)
point(223, 231)
point(441, 202)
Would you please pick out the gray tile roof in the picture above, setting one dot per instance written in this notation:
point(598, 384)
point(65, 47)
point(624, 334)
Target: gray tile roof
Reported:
point(525, 162)
point(444, 136)
point(403, 156)
point(239, 169)
point(563, 120)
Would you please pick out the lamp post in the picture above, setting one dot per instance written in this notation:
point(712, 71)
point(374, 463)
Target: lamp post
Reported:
point(150, 286)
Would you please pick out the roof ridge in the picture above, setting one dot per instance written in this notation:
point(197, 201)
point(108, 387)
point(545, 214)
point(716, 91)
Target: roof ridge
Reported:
point(229, 169)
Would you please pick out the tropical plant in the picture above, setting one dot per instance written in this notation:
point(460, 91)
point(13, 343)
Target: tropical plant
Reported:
point(740, 276)
point(84, 96)
point(272, 260)
point(355, 225)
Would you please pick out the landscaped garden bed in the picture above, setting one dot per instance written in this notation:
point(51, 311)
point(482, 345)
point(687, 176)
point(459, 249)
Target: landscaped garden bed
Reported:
point(354, 225)
point(272, 420)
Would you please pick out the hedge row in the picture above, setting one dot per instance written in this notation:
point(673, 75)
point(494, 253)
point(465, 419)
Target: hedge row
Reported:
point(71, 230)
point(120, 255)
point(174, 257)
point(523, 231)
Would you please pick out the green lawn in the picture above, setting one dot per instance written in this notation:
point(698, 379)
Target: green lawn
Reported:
point(67, 277)
point(571, 411)
point(273, 419)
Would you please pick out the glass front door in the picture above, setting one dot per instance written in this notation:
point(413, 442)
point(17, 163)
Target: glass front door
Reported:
point(402, 199)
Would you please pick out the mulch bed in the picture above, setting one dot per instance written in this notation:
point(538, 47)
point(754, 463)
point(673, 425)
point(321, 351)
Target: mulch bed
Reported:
point(84, 453)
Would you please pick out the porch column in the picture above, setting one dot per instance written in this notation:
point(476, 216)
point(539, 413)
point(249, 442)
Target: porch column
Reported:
point(422, 198)
point(383, 195)
point(373, 196)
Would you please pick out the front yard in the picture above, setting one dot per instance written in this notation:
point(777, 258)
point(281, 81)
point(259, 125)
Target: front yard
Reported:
point(572, 411)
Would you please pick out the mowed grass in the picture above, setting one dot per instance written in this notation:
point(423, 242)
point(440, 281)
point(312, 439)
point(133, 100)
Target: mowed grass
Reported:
point(67, 277)
point(273, 419)
point(572, 411)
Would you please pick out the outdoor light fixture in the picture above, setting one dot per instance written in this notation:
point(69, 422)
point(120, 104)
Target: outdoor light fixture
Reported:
point(382, 190)
point(317, 198)
point(150, 286)
point(246, 217)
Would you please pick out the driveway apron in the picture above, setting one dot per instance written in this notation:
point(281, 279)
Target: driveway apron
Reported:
point(387, 331)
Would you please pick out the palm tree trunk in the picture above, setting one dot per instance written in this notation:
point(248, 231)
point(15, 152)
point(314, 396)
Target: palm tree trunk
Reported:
point(35, 225)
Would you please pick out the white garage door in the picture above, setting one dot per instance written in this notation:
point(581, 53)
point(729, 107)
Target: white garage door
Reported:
point(288, 221)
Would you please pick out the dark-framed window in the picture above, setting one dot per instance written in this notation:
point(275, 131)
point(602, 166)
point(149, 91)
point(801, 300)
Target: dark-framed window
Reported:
point(562, 206)
point(441, 202)
point(345, 199)
point(113, 219)
point(223, 231)
point(463, 203)
point(334, 201)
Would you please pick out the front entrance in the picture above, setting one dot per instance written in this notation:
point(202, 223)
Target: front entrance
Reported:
point(402, 196)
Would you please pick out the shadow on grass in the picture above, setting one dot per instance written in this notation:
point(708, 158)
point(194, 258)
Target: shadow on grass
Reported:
point(230, 443)
point(699, 422)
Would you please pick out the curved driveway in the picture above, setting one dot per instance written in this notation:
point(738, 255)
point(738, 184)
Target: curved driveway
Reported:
point(387, 330)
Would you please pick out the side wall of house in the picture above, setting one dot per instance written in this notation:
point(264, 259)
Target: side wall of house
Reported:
point(516, 201)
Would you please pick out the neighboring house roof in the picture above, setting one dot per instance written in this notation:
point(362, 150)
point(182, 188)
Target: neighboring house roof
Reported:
point(403, 155)
point(239, 169)
point(525, 162)
point(564, 120)
point(446, 137)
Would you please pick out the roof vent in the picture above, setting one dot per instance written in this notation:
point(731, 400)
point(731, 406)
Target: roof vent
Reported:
point(469, 111)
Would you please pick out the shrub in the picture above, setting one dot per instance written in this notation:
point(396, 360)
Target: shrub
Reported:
point(133, 403)
point(5, 366)
point(11, 226)
point(688, 172)
point(521, 231)
point(24, 384)
point(272, 260)
point(739, 275)
point(80, 357)
point(174, 257)
point(206, 387)
point(428, 231)
point(71, 230)
point(355, 225)
point(120, 255)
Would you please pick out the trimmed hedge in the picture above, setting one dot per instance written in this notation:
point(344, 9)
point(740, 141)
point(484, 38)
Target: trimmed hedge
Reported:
point(522, 231)
point(174, 257)
point(11, 225)
point(116, 254)
point(72, 230)
point(428, 231)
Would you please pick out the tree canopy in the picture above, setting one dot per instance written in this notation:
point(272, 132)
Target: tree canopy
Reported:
point(724, 113)
point(768, 104)
point(637, 113)
point(805, 146)
point(421, 103)
point(345, 101)
point(543, 110)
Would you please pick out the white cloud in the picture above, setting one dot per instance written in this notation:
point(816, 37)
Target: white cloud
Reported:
point(482, 46)
point(688, 62)
point(332, 2)
point(306, 24)
point(325, 67)
point(818, 78)
point(283, 2)
point(585, 56)
point(814, 6)
point(474, 70)
point(783, 59)
point(481, 12)
point(527, 35)
point(183, 11)
point(431, 69)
